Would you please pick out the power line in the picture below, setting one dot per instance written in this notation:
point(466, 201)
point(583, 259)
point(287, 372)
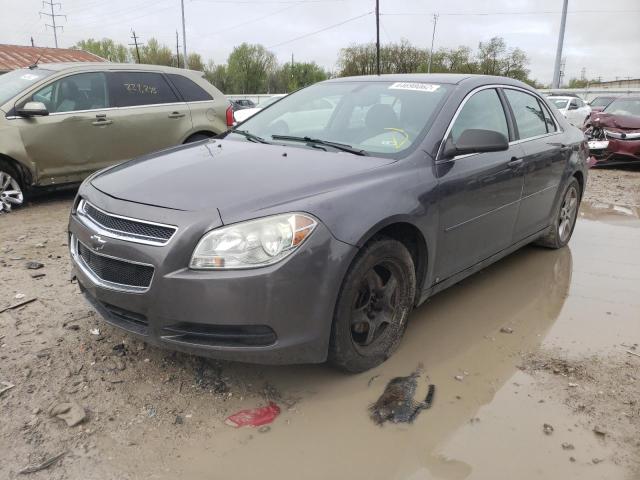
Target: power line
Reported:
point(321, 30)
point(53, 16)
point(465, 14)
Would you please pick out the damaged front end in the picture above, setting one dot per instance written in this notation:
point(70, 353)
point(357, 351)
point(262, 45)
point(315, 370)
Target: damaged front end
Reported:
point(613, 139)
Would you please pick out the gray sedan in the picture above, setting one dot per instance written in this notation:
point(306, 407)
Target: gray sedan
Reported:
point(312, 230)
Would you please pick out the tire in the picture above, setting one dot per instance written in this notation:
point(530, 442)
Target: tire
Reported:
point(564, 220)
point(197, 137)
point(378, 289)
point(11, 187)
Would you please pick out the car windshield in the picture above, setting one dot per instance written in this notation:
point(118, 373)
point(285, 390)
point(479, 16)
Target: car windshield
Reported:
point(12, 83)
point(381, 118)
point(560, 103)
point(624, 106)
point(601, 101)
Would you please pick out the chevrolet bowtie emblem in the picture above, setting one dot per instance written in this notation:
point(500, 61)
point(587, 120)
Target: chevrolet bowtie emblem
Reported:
point(97, 242)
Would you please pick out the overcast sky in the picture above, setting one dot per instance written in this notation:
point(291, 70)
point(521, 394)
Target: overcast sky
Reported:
point(598, 39)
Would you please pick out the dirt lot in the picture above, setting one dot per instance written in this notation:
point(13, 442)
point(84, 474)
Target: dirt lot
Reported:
point(542, 337)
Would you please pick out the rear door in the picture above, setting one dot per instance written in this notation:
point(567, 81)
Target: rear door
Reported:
point(207, 113)
point(479, 194)
point(73, 140)
point(149, 117)
point(544, 158)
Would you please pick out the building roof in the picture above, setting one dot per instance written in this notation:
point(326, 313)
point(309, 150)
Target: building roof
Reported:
point(20, 56)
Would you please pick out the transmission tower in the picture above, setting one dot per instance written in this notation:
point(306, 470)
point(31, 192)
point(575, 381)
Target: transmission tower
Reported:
point(52, 16)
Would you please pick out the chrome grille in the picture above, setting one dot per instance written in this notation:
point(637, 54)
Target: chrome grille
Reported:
point(114, 272)
point(126, 228)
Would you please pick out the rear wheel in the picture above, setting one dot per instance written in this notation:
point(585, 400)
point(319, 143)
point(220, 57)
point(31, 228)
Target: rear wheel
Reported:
point(196, 137)
point(373, 305)
point(564, 222)
point(11, 194)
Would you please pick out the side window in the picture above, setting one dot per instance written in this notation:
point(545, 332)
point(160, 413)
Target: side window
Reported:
point(548, 119)
point(580, 103)
point(84, 91)
point(130, 89)
point(530, 118)
point(190, 90)
point(482, 111)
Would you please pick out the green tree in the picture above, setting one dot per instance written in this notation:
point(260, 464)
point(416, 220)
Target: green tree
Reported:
point(249, 67)
point(217, 75)
point(105, 48)
point(153, 53)
point(194, 62)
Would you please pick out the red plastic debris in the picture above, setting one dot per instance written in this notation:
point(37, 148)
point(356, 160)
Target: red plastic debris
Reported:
point(254, 417)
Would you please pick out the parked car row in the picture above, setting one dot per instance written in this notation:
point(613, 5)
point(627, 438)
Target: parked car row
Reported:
point(61, 122)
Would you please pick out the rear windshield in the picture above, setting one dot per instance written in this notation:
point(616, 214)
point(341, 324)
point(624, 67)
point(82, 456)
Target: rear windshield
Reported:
point(380, 117)
point(560, 104)
point(624, 106)
point(12, 83)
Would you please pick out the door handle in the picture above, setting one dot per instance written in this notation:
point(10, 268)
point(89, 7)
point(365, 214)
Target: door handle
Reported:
point(99, 123)
point(176, 115)
point(515, 163)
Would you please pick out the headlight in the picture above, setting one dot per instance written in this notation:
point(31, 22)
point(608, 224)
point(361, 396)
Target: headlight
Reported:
point(252, 244)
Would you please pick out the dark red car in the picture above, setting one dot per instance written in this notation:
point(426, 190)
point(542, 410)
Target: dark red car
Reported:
point(614, 133)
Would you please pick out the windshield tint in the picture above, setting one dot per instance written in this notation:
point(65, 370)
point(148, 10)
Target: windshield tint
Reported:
point(12, 83)
point(380, 118)
point(622, 106)
point(560, 103)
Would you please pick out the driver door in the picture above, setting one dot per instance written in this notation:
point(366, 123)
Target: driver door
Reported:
point(73, 140)
point(478, 194)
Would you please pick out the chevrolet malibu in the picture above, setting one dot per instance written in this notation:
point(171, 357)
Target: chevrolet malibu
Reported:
point(296, 242)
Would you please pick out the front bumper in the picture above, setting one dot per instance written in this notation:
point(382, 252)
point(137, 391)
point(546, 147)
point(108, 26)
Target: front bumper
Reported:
point(279, 314)
point(615, 151)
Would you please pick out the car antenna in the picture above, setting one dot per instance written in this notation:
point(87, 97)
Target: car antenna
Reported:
point(35, 65)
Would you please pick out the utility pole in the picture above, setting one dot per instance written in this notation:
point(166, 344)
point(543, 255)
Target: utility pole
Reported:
point(53, 16)
point(184, 38)
point(177, 50)
point(433, 37)
point(556, 67)
point(562, 70)
point(32, 43)
point(135, 43)
point(378, 37)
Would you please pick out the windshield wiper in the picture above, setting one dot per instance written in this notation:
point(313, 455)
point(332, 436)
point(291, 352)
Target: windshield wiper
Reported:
point(316, 141)
point(250, 136)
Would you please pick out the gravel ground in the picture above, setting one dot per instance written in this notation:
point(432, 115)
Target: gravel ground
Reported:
point(620, 187)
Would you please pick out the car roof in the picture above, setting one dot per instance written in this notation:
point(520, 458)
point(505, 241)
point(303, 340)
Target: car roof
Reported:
point(73, 66)
point(560, 97)
point(445, 78)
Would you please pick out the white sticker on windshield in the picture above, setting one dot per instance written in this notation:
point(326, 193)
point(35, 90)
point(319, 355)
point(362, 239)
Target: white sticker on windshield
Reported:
point(29, 76)
point(418, 87)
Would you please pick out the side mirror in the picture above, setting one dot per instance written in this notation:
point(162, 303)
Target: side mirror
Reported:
point(476, 141)
point(573, 106)
point(33, 109)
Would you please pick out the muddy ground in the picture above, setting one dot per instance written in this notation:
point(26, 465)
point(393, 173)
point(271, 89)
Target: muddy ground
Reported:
point(571, 362)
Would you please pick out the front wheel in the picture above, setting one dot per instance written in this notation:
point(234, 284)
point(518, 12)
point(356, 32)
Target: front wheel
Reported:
point(564, 221)
point(10, 190)
point(373, 305)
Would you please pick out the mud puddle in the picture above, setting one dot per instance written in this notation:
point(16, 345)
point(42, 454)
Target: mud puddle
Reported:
point(487, 422)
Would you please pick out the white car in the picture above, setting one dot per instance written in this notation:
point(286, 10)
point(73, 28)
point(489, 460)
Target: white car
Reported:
point(572, 108)
point(242, 115)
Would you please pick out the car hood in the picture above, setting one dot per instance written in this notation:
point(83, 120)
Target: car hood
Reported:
point(229, 173)
point(623, 122)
